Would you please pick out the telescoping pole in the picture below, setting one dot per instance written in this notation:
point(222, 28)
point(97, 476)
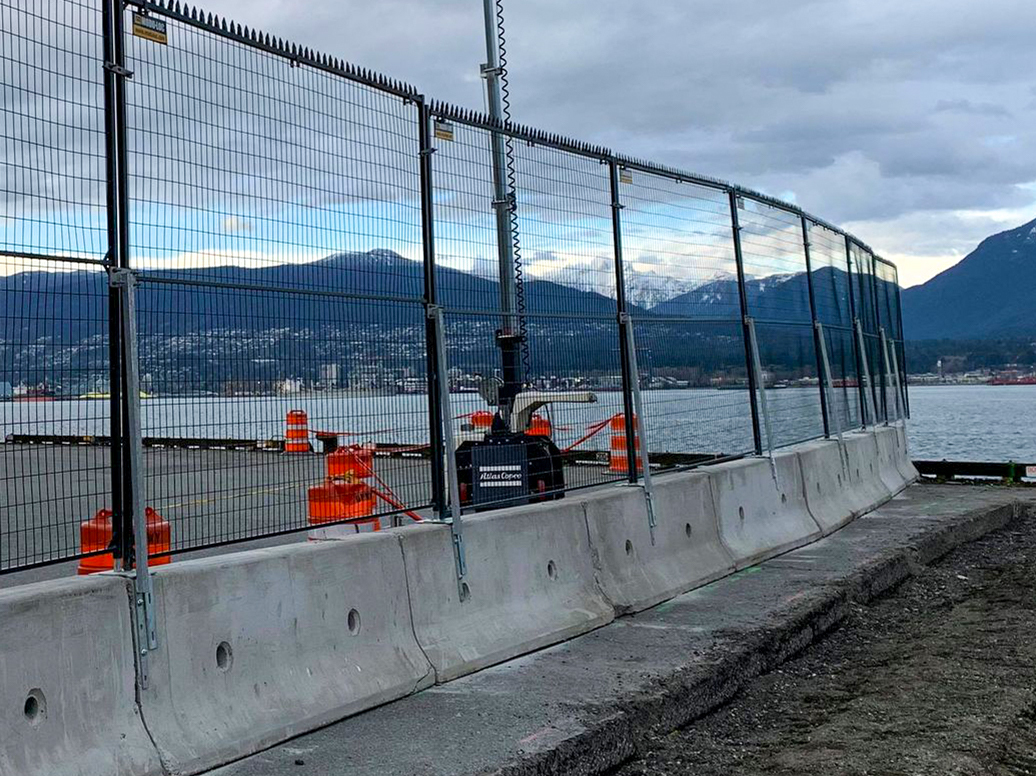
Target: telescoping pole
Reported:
point(509, 335)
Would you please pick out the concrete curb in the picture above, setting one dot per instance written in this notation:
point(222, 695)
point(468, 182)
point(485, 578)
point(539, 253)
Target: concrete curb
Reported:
point(691, 693)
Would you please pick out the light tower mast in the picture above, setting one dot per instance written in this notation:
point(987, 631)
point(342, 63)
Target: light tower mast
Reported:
point(510, 337)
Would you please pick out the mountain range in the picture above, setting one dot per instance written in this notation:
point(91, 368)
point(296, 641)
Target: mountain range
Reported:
point(214, 324)
point(989, 294)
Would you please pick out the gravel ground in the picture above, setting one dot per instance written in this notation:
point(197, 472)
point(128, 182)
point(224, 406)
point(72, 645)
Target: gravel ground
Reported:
point(939, 677)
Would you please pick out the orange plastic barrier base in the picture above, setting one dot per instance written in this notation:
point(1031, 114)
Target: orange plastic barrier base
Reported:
point(96, 534)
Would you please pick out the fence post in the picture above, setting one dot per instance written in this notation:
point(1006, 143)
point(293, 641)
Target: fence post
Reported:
point(856, 338)
point(746, 334)
point(435, 415)
point(882, 376)
point(129, 523)
point(901, 367)
point(124, 281)
point(817, 333)
point(626, 359)
point(111, 23)
point(455, 507)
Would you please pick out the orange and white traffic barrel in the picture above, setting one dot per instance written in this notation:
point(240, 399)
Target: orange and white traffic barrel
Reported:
point(296, 434)
point(619, 460)
point(344, 495)
point(95, 535)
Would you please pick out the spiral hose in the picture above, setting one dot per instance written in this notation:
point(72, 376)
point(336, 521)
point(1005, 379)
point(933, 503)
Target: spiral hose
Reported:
point(512, 188)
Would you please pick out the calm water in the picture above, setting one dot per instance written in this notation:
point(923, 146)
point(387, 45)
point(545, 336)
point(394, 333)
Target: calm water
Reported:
point(995, 423)
point(973, 422)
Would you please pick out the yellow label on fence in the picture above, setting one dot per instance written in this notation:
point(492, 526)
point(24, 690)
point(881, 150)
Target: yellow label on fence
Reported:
point(150, 28)
point(625, 176)
point(443, 130)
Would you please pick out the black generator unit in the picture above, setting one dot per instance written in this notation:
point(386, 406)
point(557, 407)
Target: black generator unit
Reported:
point(506, 469)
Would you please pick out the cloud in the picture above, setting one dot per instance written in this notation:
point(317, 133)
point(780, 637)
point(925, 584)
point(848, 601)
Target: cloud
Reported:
point(235, 224)
point(871, 113)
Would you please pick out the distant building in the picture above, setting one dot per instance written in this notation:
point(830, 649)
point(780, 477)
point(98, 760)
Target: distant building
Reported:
point(329, 375)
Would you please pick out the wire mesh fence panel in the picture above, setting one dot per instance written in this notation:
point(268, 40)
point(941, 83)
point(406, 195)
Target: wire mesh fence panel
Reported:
point(830, 274)
point(246, 167)
point(681, 288)
point(888, 321)
point(564, 223)
point(52, 181)
point(789, 379)
point(467, 266)
point(267, 411)
point(866, 312)
point(678, 251)
point(54, 380)
point(777, 293)
point(694, 389)
point(844, 392)
point(276, 218)
point(54, 359)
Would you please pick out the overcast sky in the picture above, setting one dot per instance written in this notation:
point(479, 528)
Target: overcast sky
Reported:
point(909, 122)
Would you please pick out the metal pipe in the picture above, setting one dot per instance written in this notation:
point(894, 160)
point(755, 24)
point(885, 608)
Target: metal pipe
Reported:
point(503, 202)
point(857, 342)
point(435, 417)
point(627, 360)
point(735, 223)
point(824, 409)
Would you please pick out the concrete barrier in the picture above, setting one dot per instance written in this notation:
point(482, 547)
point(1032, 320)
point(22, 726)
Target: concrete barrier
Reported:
point(256, 647)
point(758, 517)
point(530, 583)
point(861, 450)
point(889, 472)
point(67, 681)
point(832, 500)
point(906, 466)
point(687, 552)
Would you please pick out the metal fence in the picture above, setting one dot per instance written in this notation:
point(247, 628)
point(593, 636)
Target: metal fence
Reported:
point(218, 246)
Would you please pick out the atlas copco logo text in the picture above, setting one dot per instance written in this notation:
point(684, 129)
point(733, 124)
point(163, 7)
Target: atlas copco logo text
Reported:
point(502, 476)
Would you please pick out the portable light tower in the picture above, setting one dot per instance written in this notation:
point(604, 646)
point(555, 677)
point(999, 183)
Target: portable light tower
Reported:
point(509, 465)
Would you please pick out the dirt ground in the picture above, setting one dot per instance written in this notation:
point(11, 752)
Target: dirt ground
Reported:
point(939, 677)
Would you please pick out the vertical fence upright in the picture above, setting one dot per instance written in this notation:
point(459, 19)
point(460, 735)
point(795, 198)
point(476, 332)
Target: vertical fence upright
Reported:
point(112, 86)
point(625, 357)
point(901, 363)
point(817, 332)
point(857, 340)
point(129, 522)
point(435, 416)
point(882, 376)
point(742, 291)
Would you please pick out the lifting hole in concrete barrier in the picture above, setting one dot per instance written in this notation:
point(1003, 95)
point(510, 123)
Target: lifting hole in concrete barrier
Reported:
point(552, 570)
point(857, 473)
point(465, 591)
point(741, 513)
point(224, 656)
point(818, 488)
point(687, 529)
point(353, 621)
point(784, 498)
point(839, 476)
point(35, 708)
point(629, 547)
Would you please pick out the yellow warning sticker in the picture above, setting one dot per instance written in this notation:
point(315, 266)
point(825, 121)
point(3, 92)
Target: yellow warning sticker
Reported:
point(443, 130)
point(150, 28)
point(625, 176)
